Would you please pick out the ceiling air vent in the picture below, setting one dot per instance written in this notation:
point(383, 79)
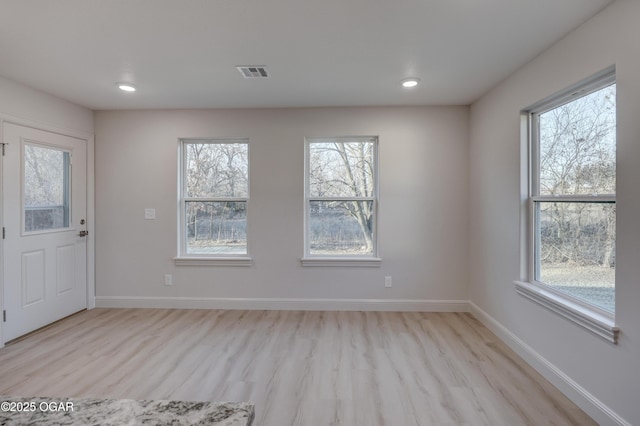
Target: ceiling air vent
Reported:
point(253, 71)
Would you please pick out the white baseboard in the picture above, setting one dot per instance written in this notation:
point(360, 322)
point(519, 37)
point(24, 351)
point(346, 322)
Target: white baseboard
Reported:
point(576, 393)
point(270, 304)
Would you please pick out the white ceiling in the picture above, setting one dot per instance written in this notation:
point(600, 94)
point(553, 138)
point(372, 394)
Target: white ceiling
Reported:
point(183, 53)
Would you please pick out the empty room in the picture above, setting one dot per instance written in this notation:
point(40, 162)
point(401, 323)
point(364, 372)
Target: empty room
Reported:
point(421, 212)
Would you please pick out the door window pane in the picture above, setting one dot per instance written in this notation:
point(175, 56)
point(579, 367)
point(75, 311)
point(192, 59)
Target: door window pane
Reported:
point(46, 188)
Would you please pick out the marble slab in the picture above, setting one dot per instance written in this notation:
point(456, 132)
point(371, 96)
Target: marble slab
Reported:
point(121, 412)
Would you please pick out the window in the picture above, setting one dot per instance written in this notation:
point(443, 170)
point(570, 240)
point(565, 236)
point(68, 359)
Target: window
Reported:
point(341, 197)
point(47, 187)
point(572, 196)
point(214, 197)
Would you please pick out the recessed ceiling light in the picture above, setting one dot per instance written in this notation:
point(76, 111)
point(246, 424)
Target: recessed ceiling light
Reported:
point(410, 82)
point(126, 87)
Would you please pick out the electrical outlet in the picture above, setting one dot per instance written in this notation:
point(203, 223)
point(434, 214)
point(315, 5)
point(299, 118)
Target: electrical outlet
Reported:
point(150, 214)
point(168, 279)
point(387, 282)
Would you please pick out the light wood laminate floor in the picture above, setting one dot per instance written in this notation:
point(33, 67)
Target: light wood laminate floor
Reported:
point(299, 368)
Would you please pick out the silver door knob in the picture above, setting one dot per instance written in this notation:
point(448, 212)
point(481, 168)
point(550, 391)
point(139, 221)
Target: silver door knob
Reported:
point(83, 233)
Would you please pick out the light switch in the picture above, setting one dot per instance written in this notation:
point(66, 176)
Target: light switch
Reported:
point(149, 213)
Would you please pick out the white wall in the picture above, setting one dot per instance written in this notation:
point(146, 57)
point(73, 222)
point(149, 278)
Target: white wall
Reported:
point(422, 212)
point(607, 372)
point(25, 103)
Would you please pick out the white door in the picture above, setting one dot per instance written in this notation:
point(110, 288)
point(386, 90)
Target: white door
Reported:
point(44, 225)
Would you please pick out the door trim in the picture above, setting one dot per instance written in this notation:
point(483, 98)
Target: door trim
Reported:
point(90, 197)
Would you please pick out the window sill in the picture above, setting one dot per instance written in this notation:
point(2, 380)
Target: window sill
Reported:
point(365, 262)
point(599, 324)
point(212, 261)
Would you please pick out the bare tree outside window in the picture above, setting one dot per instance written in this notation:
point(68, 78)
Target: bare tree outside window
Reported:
point(574, 198)
point(341, 196)
point(216, 191)
point(46, 188)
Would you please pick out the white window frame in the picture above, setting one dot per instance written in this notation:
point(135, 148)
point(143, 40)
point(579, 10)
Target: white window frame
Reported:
point(594, 319)
point(369, 260)
point(217, 259)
